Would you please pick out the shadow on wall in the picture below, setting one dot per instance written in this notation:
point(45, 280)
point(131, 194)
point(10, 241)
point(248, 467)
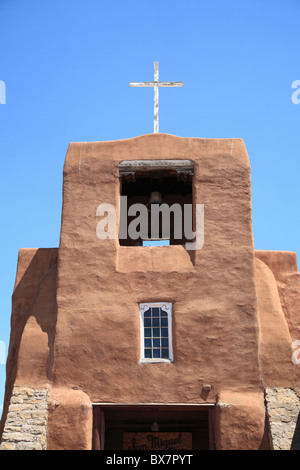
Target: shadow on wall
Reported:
point(296, 438)
point(33, 321)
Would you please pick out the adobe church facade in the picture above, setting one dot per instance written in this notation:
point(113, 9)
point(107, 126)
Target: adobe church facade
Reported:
point(118, 345)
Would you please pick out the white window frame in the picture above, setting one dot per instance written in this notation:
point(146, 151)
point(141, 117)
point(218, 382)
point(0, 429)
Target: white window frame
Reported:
point(167, 307)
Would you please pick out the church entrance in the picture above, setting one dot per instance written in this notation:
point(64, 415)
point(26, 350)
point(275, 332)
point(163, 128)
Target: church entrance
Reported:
point(152, 427)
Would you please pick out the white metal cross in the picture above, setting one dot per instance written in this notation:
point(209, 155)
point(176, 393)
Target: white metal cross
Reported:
point(155, 85)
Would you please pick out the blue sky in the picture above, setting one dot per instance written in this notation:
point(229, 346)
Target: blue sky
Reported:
point(67, 64)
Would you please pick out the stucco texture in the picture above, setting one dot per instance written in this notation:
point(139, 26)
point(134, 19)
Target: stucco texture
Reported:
point(213, 293)
point(75, 317)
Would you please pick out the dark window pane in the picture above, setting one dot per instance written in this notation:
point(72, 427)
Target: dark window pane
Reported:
point(147, 322)
point(164, 322)
point(147, 332)
point(163, 314)
point(155, 312)
point(155, 321)
point(165, 353)
point(148, 343)
point(147, 313)
point(156, 332)
point(164, 332)
point(156, 352)
point(165, 342)
point(148, 353)
point(156, 342)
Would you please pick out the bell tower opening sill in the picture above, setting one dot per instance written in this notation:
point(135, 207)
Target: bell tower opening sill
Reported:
point(172, 258)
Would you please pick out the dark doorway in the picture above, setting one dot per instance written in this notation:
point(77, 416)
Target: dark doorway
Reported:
point(113, 422)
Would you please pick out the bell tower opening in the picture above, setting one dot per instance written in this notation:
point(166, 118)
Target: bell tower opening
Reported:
point(160, 192)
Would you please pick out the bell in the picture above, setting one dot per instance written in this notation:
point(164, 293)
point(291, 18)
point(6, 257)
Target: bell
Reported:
point(155, 198)
point(155, 427)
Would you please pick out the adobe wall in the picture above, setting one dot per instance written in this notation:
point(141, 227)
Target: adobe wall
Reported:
point(283, 265)
point(278, 290)
point(24, 419)
point(100, 284)
point(98, 300)
point(234, 310)
point(28, 378)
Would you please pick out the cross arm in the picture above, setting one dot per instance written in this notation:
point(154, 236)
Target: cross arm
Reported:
point(152, 84)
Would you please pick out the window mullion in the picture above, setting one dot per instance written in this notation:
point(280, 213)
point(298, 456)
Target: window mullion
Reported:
point(156, 332)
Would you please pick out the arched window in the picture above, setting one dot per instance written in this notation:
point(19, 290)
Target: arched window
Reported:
point(156, 332)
